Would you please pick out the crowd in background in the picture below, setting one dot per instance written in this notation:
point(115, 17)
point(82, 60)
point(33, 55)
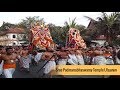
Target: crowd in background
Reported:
point(94, 55)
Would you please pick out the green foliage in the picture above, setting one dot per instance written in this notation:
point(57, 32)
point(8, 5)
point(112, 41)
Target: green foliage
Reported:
point(107, 25)
point(6, 25)
point(59, 34)
point(116, 41)
point(70, 24)
point(26, 24)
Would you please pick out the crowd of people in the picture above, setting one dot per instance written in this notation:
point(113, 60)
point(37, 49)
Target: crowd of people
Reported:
point(97, 55)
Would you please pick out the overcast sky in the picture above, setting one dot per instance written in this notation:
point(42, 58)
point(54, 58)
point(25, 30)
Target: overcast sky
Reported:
point(57, 18)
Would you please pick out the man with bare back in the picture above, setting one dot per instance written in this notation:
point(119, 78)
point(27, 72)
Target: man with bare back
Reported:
point(9, 62)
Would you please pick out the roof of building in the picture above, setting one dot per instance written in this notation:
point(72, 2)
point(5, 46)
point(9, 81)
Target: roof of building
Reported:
point(15, 30)
point(91, 25)
point(2, 33)
point(12, 30)
point(100, 37)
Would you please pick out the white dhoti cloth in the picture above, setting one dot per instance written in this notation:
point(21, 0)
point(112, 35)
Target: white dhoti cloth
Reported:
point(109, 60)
point(25, 62)
point(62, 62)
point(30, 57)
point(72, 59)
point(80, 59)
point(9, 72)
point(87, 59)
point(1, 67)
point(117, 60)
point(99, 60)
point(51, 65)
point(38, 57)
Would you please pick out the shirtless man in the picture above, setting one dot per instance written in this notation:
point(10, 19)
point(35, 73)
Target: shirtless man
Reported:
point(98, 59)
point(37, 54)
point(50, 67)
point(62, 56)
point(72, 60)
point(9, 62)
point(2, 51)
point(24, 59)
point(79, 57)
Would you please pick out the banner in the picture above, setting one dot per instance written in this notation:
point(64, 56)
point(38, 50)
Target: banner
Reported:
point(87, 70)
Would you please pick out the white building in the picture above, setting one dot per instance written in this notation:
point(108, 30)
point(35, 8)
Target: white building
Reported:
point(12, 37)
point(100, 40)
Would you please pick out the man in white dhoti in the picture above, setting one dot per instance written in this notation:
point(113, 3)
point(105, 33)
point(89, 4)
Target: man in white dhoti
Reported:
point(99, 59)
point(72, 60)
point(50, 67)
point(109, 58)
point(62, 56)
point(38, 56)
point(118, 57)
point(2, 51)
point(1, 67)
point(24, 59)
point(115, 56)
point(79, 57)
point(9, 62)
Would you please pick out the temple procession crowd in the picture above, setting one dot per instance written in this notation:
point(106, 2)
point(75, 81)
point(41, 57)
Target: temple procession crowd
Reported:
point(94, 55)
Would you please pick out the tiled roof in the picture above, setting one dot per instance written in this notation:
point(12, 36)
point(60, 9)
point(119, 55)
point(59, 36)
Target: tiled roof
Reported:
point(91, 25)
point(12, 30)
point(15, 30)
point(101, 37)
point(2, 33)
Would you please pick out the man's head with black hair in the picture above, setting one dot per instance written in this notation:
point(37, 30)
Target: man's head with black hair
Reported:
point(41, 51)
point(49, 49)
point(25, 47)
point(2, 50)
point(34, 52)
point(1, 47)
point(59, 47)
point(9, 50)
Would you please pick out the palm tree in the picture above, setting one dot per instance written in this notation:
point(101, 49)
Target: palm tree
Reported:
point(109, 22)
point(70, 24)
point(106, 24)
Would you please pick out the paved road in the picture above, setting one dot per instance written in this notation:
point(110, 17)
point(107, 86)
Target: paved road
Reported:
point(33, 73)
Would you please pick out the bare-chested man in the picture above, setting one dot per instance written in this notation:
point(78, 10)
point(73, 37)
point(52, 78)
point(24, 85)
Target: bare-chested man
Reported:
point(24, 59)
point(72, 60)
point(2, 51)
point(79, 57)
point(62, 56)
point(50, 67)
point(99, 59)
point(9, 62)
